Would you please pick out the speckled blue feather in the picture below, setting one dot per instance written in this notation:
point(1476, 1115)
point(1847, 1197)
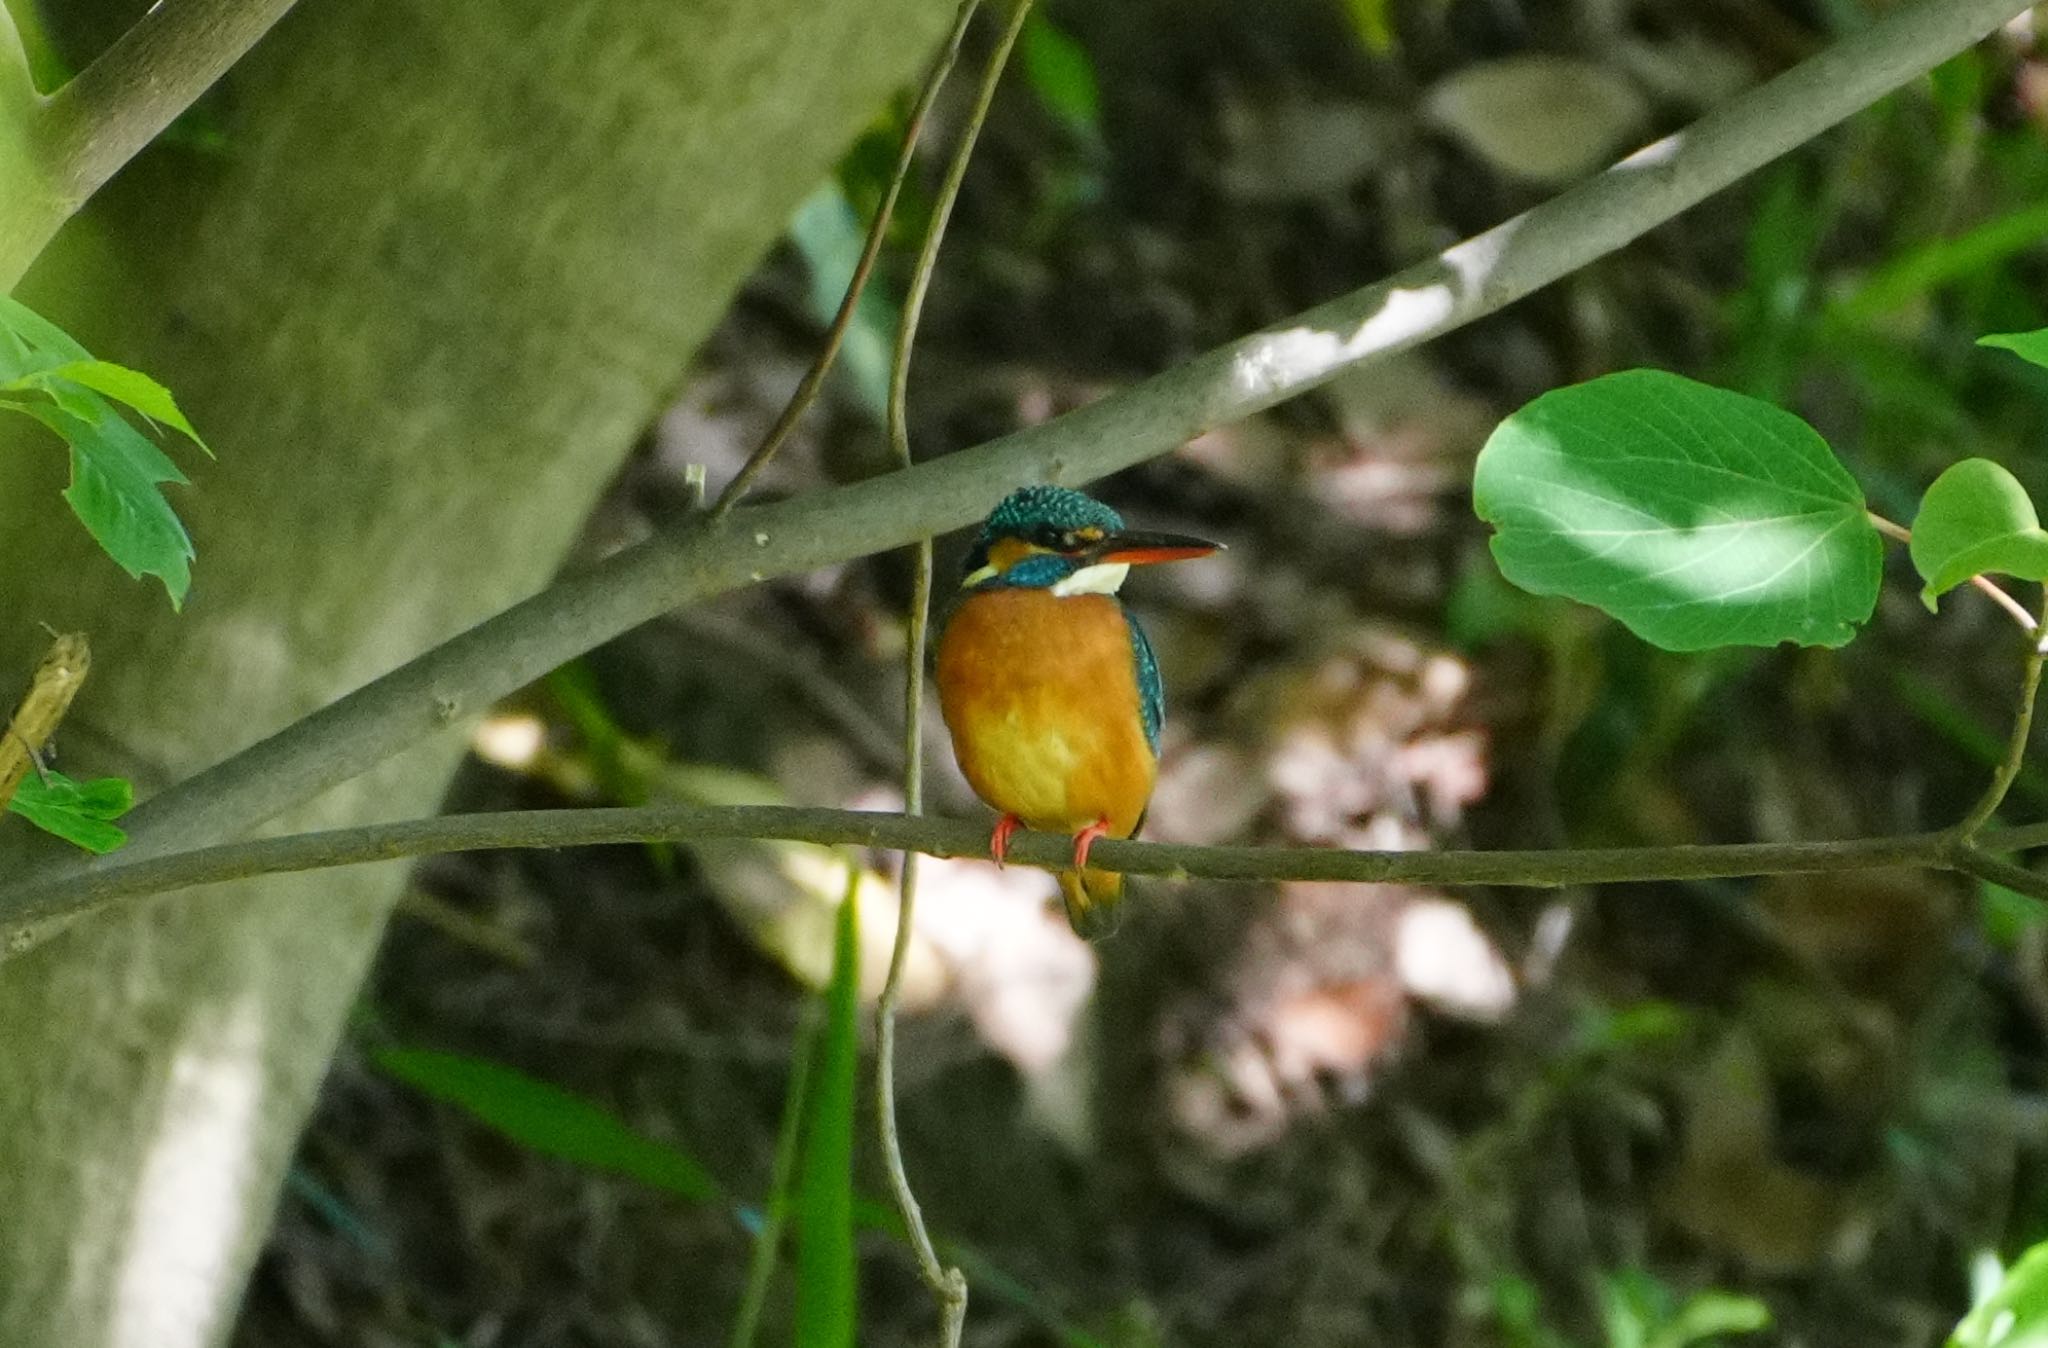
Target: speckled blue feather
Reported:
point(1027, 510)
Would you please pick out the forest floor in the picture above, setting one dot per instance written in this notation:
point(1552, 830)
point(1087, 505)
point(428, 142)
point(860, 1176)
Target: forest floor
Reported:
point(1641, 1117)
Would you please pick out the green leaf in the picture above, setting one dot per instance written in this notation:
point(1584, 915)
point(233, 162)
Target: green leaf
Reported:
point(2005, 916)
point(1976, 518)
point(1062, 74)
point(1696, 516)
point(1709, 1316)
point(2031, 346)
point(115, 471)
point(547, 1119)
point(40, 334)
point(1375, 26)
point(825, 1287)
point(78, 812)
point(132, 387)
point(2015, 1315)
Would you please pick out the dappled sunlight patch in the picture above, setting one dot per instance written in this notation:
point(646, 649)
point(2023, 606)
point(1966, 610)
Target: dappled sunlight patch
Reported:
point(179, 1276)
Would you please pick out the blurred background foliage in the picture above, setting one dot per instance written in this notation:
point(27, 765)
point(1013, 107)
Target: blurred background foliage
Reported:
point(1800, 1112)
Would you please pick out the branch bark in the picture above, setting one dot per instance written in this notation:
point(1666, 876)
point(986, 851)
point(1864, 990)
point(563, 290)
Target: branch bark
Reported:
point(120, 877)
point(134, 89)
point(81, 135)
point(1474, 278)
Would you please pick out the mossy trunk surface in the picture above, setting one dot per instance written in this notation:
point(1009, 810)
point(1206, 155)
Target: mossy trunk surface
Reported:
point(450, 259)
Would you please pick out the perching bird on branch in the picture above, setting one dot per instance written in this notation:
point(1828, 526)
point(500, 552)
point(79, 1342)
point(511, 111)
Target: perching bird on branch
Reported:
point(1049, 687)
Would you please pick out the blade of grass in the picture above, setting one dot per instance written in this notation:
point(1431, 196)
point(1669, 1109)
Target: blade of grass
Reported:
point(825, 1282)
point(548, 1119)
point(768, 1240)
point(869, 1213)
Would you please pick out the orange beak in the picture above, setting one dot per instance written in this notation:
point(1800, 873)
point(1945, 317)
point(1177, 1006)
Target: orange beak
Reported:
point(1141, 549)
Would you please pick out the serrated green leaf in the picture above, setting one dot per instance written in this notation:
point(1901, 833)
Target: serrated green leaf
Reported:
point(1697, 517)
point(132, 387)
point(115, 472)
point(1975, 519)
point(547, 1119)
point(40, 333)
point(826, 1288)
point(2030, 346)
point(78, 812)
point(1062, 74)
point(2015, 1315)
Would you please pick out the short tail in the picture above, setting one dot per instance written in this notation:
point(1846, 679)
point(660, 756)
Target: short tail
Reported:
point(1094, 901)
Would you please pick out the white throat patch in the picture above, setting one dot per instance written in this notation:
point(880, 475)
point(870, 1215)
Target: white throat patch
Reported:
point(1102, 578)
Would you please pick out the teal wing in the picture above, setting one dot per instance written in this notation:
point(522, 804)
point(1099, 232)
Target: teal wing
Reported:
point(1151, 692)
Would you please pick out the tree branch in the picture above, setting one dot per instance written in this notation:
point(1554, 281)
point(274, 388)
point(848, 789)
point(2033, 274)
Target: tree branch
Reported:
point(120, 877)
point(101, 119)
point(1474, 278)
point(17, 86)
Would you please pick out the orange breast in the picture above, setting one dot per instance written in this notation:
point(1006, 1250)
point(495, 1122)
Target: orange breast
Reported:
point(1041, 696)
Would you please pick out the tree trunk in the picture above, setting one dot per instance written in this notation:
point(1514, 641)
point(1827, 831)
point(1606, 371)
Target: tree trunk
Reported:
point(452, 256)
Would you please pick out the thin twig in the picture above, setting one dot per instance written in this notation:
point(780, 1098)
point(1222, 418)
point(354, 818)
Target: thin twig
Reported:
point(1989, 587)
point(118, 877)
point(768, 1240)
point(403, 708)
point(134, 89)
point(947, 1285)
point(807, 391)
point(2008, 769)
point(1974, 860)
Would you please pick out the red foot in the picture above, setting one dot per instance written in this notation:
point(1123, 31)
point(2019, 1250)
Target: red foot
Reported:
point(999, 841)
point(1085, 839)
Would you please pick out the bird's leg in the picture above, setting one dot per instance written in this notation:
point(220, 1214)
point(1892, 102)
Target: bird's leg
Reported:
point(999, 841)
point(1085, 839)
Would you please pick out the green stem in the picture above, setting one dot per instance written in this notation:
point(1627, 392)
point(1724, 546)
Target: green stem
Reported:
point(119, 877)
point(768, 1242)
point(707, 558)
point(835, 336)
point(947, 1285)
point(1974, 860)
point(2008, 769)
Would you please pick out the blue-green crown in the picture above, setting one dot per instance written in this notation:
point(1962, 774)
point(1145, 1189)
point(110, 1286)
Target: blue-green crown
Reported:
point(1041, 515)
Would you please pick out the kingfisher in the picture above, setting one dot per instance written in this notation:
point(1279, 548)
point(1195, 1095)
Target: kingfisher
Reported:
point(1048, 685)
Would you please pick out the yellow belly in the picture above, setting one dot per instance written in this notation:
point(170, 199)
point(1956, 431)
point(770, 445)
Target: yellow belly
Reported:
point(1041, 696)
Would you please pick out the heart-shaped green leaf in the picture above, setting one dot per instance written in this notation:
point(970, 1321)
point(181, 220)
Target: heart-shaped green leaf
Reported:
point(1976, 518)
point(1696, 516)
point(78, 812)
point(2031, 346)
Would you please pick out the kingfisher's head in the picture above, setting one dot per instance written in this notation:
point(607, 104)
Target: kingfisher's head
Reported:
point(1054, 539)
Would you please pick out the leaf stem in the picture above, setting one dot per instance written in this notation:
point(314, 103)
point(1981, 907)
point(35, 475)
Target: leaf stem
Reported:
point(948, 1285)
point(121, 876)
point(1991, 588)
point(2008, 769)
point(878, 232)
